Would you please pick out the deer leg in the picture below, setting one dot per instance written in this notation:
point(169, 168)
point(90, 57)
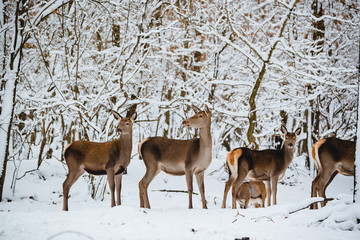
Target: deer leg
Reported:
point(228, 184)
point(143, 186)
point(200, 181)
point(118, 188)
point(268, 192)
point(314, 190)
point(189, 182)
point(235, 188)
point(111, 179)
point(141, 193)
point(243, 171)
point(69, 181)
point(246, 203)
point(263, 196)
point(323, 188)
point(322, 182)
point(274, 181)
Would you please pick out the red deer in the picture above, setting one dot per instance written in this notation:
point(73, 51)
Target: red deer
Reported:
point(178, 157)
point(266, 165)
point(331, 156)
point(110, 158)
point(250, 191)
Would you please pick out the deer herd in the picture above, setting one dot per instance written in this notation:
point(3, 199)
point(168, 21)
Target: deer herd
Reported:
point(192, 157)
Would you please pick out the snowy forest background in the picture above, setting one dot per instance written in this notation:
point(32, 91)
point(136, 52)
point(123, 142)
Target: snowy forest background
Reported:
point(66, 63)
point(257, 64)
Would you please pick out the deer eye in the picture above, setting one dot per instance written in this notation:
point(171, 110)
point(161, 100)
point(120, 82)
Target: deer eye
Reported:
point(127, 124)
point(200, 116)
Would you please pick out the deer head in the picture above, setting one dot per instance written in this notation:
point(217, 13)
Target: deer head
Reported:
point(125, 125)
point(290, 138)
point(201, 118)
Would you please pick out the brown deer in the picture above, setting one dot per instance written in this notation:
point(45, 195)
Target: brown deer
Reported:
point(178, 157)
point(110, 158)
point(331, 156)
point(250, 191)
point(266, 165)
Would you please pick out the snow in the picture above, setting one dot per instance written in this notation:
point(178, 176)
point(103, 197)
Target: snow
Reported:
point(35, 209)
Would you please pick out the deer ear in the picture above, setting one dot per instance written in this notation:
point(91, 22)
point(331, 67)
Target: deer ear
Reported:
point(195, 108)
point(207, 110)
point(116, 115)
point(284, 130)
point(133, 117)
point(297, 131)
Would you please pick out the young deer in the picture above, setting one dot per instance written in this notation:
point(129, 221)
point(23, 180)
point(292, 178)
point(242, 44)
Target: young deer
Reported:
point(266, 165)
point(110, 158)
point(178, 157)
point(250, 191)
point(331, 156)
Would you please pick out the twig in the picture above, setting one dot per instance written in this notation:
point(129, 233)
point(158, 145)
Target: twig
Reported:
point(34, 170)
point(269, 218)
point(238, 214)
point(324, 200)
point(71, 232)
point(173, 191)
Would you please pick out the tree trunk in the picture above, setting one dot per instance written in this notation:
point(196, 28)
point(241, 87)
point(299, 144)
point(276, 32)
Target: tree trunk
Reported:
point(356, 196)
point(254, 92)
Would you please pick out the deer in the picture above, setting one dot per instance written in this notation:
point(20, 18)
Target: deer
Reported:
point(331, 156)
point(100, 158)
point(250, 191)
point(178, 157)
point(266, 165)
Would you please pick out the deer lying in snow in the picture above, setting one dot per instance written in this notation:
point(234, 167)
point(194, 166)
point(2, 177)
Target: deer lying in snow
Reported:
point(266, 165)
point(249, 192)
point(178, 157)
point(331, 156)
point(110, 158)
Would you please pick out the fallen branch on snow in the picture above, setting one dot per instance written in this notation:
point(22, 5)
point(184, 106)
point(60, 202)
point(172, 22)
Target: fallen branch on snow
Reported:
point(308, 205)
point(173, 191)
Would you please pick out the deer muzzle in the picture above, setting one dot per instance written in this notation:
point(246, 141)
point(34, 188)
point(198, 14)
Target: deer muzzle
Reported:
point(185, 123)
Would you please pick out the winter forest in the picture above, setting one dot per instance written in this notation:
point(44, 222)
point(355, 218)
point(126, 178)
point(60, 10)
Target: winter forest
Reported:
point(257, 64)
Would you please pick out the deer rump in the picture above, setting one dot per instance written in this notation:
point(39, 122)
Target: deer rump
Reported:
point(335, 150)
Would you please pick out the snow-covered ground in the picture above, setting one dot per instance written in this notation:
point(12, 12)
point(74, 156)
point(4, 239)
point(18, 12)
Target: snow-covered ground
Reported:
point(34, 211)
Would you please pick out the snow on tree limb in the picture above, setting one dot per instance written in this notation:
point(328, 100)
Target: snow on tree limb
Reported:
point(48, 9)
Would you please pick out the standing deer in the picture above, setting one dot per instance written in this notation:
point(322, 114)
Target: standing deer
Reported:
point(110, 158)
point(178, 157)
point(250, 191)
point(331, 156)
point(266, 165)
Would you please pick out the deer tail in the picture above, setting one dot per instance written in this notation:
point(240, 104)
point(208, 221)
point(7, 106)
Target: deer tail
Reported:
point(232, 161)
point(315, 154)
point(140, 148)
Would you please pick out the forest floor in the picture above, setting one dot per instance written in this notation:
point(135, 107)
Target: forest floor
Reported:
point(34, 209)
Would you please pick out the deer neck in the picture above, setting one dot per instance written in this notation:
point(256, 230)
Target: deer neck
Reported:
point(288, 155)
point(205, 138)
point(125, 142)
